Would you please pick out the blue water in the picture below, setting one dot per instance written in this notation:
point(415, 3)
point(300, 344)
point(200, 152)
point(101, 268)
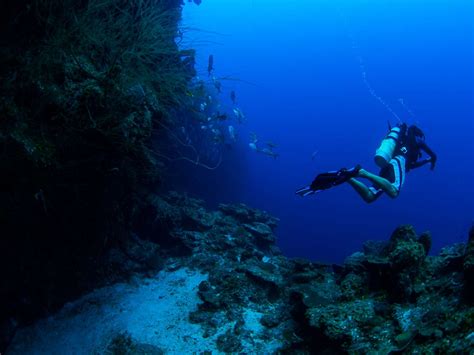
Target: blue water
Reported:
point(301, 86)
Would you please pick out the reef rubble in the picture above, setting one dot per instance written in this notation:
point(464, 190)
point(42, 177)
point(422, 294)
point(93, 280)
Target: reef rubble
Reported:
point(247, 297)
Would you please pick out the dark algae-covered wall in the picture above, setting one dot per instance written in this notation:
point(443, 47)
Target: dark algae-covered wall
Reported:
point(84, 85)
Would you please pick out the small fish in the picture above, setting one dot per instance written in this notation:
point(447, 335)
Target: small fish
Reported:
point(315, 153)
point(210, 65)
point(253, 146)
point(221, 116)
point(271, 144)
point(239, 114)
point(253, 137)
point(218, 136)
point(217, 85)
point(270, 153)
point(233, 97)
point(203, 106)
point(232, 133)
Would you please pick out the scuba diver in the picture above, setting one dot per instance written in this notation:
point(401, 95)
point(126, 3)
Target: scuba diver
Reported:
point(400, 151)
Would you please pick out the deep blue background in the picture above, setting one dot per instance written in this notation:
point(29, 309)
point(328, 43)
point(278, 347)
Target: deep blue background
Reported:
point(302, 88)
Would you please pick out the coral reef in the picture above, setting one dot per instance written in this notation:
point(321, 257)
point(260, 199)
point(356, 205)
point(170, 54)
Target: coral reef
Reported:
point(391, 297)
point(123, 344)
point(468, 264)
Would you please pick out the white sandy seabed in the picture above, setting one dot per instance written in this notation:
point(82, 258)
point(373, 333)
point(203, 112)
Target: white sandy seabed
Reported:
point(153, 311)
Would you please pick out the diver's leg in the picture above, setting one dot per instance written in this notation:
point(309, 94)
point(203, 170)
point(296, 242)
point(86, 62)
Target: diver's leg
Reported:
point(380, 182)
point(363, 191)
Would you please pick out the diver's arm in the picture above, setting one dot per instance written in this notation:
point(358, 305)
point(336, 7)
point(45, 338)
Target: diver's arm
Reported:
point(423, 146)
point(420, 163)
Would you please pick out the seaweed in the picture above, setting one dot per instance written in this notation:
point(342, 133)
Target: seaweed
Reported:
point(85, 87)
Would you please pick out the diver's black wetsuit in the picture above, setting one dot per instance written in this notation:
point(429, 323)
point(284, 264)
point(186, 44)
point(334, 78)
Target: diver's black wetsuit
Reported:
point(414, 154)
point(410, 145)
point(407, 158)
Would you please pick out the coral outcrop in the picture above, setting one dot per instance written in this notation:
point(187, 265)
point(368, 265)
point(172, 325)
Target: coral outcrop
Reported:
point(390, 297)
point(468, 265)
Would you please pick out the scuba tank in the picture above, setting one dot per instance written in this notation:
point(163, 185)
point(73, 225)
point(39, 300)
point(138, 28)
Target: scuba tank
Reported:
point(387, 148)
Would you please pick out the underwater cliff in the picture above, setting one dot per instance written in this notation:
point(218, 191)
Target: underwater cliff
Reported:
point(85, 85)
point(99, 100)
point(222, 286)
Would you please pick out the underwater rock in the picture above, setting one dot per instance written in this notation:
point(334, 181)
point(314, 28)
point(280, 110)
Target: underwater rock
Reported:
point(157, 217)
point(229, 343)
point(245, 214)
point(263, 234)
point(210, 298)
point(404, 233)
point(390, 298)
point(406, 254)
point(344, 322)
point(408, 317)
point(310, 296)
point(403, 340)
point(135, 256)
point(405, 250)
point(251, 299)
point(193, 215)
point(306, 277)
point(197, 219)
point(355, 262)
point(271, 320)
point(354, 285)
point(185, 242)
point(425, 240)
point(301, 265)
point(452, 257)
point(468, 264)
point(123, 344)
point(263, 273)
point(375, 247)
point(260, 230)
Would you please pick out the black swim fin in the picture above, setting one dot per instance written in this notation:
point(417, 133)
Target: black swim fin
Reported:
point(329, 179)
point(305, 191)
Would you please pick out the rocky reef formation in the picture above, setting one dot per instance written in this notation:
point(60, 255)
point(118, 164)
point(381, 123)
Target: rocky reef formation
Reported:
point(391, 297)
point(85, 86)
